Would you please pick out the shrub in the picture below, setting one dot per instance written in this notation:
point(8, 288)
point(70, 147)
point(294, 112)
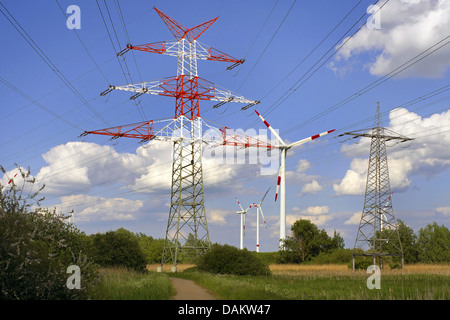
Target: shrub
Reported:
point(118, 248)
point(225, 259)
point(337, 256)
point(37, 246)
point(361, 264)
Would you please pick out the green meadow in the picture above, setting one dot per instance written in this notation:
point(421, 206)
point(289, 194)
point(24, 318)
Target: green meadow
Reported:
point(287, 282)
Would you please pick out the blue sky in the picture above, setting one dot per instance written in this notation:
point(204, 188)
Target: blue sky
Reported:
point(124, 184)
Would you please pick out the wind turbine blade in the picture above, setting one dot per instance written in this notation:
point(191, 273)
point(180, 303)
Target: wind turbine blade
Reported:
point(278, 184)
point(264, 197)
point(12, 180)
point(244, 224)
point(270, 128)
point(297, 143)
point(262, 215)
point(239, 204)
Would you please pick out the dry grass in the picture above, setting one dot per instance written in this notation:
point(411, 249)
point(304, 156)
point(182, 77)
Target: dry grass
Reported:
point(440, 269)
point(341, 270)
point(168, 267)
point(330, 269)
point(299, 270)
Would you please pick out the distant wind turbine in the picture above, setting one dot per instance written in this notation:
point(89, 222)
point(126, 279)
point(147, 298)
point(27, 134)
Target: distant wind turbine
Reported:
point(281, 182)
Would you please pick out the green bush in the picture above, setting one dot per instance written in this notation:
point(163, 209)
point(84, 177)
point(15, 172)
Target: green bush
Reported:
point(337, 256)
point(225, 259)
point(37, 246)
point(118, 248)
point(361, 264)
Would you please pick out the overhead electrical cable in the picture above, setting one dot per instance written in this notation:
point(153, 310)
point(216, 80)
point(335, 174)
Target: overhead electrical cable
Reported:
point(85, 47)
point(268, 44)
point(23, 94)
point(47, 60)
point(440, 44)
point(304, 77)
point(138, 104)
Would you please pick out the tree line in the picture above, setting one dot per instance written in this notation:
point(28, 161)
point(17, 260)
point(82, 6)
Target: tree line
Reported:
point(308, 243)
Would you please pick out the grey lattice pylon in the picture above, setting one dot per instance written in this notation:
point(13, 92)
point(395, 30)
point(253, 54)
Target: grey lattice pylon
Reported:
point(187, 230)
point(378, 234)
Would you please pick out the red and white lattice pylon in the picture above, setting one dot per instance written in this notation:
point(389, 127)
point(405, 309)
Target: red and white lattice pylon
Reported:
point(281, 181)
point(187, 211)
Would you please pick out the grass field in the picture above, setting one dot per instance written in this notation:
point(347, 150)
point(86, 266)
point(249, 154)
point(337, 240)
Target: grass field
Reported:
point(330, 282)
point(123, 284)
point(287, 282)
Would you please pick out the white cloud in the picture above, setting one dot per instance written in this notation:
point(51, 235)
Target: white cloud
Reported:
point(217, 216)
point(354, 219)
point(77, 166)
point(407, 28)
point(311, 188)
point(299, 175)
point(354, 181)
point(444, 211)
point(317, 220)
point(89, 208)
point(316, 210)
point(318, 215)
point(427, 155)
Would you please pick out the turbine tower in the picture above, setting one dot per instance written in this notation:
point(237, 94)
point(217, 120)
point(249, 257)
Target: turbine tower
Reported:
point(377, 234)
point(242, 212)
point(281, 182)
point(258, 211)
point(187, 228)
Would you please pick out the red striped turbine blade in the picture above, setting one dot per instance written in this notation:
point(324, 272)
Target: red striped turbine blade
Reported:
point(278, 187)
point(11, 180)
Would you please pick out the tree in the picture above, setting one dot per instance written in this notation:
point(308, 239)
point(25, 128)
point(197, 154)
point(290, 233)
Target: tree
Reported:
point(408, 241)
point(37, 246)
point(290, 251)
point(118, 248)
point(151, 248)
point(305, 232)
point(337, 241)
point(307, 241)
point(434, 243)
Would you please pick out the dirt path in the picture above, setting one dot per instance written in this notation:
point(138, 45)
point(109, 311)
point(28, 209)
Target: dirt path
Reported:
point(189, 290)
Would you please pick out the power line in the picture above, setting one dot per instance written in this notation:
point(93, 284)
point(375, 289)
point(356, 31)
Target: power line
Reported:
point(378, 82)
point(268, 44)
point(47, 60)
point(292, 89)
point(308, 55)
point(138, 104)
point(85, 47)
point(315, 48)
point(23, 94)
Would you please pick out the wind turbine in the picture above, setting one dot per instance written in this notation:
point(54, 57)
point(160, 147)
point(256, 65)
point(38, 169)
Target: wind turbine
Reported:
point(258, 211)
point(242, 213)
point(281, 182)
point(383, 215)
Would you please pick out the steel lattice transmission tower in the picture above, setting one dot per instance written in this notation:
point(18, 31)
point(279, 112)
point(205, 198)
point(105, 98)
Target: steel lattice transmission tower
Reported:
point(378, 234)
point(187, 228)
